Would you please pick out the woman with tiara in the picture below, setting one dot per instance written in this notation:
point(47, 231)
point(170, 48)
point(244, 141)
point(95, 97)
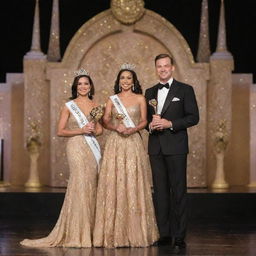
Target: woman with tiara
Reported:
point(76, 221)
point(124, 211)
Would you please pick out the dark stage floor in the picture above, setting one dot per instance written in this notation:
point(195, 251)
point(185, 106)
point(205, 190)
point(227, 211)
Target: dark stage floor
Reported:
point(226, 238)
point(221, 223)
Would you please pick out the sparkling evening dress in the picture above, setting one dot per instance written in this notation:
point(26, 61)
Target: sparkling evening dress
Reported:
point(124, 212)
point(76, 221)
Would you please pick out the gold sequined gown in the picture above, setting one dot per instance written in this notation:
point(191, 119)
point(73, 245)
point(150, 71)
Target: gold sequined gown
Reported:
point(124, 211)
point(76, 221)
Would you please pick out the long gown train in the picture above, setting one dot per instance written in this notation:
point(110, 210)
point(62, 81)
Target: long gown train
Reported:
point(76, 221)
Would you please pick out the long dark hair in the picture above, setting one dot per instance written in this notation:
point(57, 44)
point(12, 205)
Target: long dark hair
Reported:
point(136, 88)
point(74, 87)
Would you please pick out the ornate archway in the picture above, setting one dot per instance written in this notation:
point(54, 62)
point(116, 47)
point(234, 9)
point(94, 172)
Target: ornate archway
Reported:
point(101, 45)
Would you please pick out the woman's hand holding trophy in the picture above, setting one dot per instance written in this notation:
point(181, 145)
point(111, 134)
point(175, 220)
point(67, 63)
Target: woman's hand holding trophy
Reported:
point(121, 127)
point(95, 115)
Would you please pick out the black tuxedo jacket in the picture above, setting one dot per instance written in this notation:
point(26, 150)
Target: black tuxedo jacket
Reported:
point(181, 109)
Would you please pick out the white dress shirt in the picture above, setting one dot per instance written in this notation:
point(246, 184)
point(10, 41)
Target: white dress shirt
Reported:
point(161, 96)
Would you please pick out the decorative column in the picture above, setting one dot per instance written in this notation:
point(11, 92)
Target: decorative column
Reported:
point(219, 94)
point(5, 134)
point(36, 102)
point(53, 53)
point(35, 51)
point(221, 51)
point(203, 53)
point(252, 116)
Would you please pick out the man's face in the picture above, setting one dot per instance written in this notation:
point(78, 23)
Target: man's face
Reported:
point(164, 69)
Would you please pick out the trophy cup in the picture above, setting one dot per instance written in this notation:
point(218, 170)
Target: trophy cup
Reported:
point(119, 117)
point(153, 103)
point(97, 113)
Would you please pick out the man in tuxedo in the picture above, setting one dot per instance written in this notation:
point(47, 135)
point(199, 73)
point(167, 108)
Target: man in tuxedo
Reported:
point(168, 148)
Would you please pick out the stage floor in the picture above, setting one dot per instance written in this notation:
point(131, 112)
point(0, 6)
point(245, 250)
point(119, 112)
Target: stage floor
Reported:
point(221, 222)
point(205, 238)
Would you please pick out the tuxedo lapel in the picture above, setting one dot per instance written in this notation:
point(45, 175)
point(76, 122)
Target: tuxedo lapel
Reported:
point(154, 93)
point(170, 95)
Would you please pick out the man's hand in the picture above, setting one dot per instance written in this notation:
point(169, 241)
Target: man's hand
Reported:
point(155, 119)
point(159, 123)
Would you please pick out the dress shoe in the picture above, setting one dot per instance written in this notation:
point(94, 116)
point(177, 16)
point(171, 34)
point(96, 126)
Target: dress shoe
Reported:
point(179, 242)
point(155, 243)
point(163, 241)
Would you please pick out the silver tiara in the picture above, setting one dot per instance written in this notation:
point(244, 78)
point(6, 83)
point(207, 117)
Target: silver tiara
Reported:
point(81, 72)
point(128, 66)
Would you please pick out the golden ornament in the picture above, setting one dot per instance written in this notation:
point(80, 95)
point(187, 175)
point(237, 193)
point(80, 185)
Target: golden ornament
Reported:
point(127, 11)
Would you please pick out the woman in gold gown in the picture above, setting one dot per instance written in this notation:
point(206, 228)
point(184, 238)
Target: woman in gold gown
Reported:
point(76, 221)
point(124, 211)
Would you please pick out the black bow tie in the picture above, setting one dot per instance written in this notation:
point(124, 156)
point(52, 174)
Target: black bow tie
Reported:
point(161, 86)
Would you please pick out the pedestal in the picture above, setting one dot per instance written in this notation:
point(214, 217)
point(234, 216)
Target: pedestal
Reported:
point(252, 184)
point(33, 180)
point(219, 181)
point(4, 184)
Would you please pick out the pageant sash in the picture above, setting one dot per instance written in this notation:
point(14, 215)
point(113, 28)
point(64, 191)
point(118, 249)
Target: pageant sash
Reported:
point(82, 121)
point(122, 110)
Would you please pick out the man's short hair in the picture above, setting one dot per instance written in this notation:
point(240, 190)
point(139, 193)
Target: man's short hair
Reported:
point(164, 55)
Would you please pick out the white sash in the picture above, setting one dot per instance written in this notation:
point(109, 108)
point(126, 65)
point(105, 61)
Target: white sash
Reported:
point(82, 121)
point(122, 110)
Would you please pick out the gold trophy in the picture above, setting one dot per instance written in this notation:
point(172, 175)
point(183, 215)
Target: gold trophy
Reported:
point(153, 103)
point(119, 117)
point(97, 113)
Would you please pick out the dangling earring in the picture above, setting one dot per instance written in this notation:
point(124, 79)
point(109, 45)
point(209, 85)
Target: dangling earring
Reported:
point(133, 88)
point(120, 88)
point(89, 94)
